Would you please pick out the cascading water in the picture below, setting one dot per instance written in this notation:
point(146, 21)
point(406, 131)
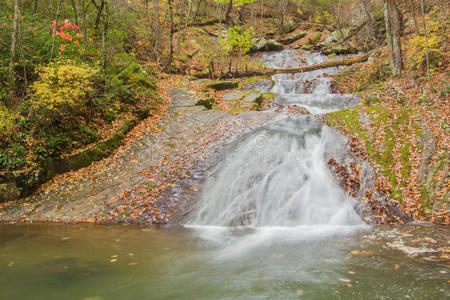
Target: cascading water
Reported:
point(276, 176)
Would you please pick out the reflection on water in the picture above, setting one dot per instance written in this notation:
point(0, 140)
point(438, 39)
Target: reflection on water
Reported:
point(126, 262)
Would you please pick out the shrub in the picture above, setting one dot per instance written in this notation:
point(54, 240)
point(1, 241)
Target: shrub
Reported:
point(6, 125)
point(436, 47)
point(129, 83)
point(62, 90)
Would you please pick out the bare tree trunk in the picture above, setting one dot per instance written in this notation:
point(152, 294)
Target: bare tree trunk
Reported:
point(369, 20)
point(426, 38)
point(104, 37)
point(228, 13)
point(186, 23)
point(156, 28)
point(99, 14)
point(393, 32)
point(180, 12)
point(35, 6)
point(413, 14)
point(283, 4)
point(12, 54)
point(170, 59)
point(58, 7)
point(75, 12)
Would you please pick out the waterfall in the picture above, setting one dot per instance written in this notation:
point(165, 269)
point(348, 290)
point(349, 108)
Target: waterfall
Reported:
point(276, 176)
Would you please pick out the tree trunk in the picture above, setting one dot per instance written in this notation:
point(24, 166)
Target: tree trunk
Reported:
point(369, 20)
point(75, 12)
point(35, 6)
point(54, 35)
point(156, 28)
point(12, 54)
point(426, 39)
point(228, 13)
point(393, 32)
point(283, 4)
point(413, 14)
point(187, 19)
point(99, 14)
point(171, 31)
point(104, 37)
point(268, 72)
point(180, 21)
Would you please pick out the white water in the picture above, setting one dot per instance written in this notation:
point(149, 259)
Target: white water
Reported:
point(273, 183)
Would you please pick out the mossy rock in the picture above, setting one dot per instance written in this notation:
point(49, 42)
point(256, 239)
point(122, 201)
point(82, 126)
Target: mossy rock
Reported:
point(207, 102)
point(306, 47)
point(222, 85)
point(315, 38)
point(293, 38)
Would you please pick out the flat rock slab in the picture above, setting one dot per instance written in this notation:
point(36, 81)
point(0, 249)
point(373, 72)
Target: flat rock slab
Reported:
point(93, 195)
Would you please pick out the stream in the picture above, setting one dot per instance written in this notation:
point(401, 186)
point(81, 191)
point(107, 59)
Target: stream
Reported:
point(269, 222)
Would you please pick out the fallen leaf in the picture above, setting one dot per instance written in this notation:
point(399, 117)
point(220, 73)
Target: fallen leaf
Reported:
point(328, 260)
point(396, 267)
point(132, 263)
point(11, 263)
point(349, 285)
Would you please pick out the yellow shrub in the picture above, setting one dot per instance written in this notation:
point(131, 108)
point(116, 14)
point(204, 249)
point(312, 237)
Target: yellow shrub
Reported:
point(6, 124)
point(436, 49)
point(62, 89)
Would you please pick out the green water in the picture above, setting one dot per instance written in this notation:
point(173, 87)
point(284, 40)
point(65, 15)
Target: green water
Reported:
point(126, 262)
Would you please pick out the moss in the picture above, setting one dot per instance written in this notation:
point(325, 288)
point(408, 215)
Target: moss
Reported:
point(349, 122)
point(314, 39)
point(222, 85)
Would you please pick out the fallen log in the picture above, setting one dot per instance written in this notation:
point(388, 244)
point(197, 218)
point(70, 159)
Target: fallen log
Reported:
point(197, 24)
point(268, 72)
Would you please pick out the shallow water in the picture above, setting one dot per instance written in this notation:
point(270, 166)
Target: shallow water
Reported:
point(127, 262)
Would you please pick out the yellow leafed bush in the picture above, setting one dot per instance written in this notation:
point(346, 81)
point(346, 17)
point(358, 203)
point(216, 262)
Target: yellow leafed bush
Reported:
point(436, 49)
point(63, 89)
point(6, 124)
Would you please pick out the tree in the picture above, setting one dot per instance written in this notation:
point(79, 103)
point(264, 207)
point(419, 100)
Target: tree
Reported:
point(12, 55)
point(393, 24)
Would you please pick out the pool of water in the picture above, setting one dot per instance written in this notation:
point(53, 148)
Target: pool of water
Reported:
point(127, 262)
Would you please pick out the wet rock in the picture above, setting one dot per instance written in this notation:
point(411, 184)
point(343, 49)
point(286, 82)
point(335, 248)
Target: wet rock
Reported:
point(222, 85)
point(260, 86)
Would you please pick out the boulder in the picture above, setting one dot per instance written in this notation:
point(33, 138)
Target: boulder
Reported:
point(292, 38)
point(222, 85)
point(263, 44)
point(336, 36)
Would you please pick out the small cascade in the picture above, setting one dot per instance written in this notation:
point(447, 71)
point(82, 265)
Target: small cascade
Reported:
point(311, 90)
point(276, 176)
